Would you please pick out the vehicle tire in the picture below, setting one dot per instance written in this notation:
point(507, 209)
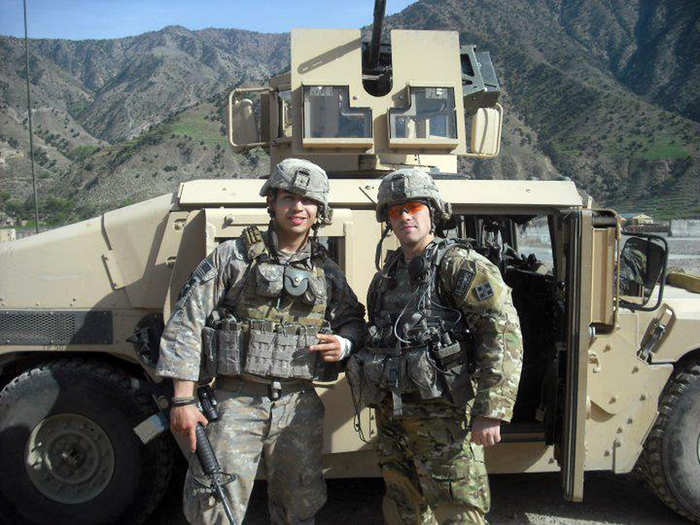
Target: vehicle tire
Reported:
point(68, 452)
point(671, 457)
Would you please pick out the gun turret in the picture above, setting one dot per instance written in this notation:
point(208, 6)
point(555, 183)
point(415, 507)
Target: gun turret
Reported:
point(379, 8)
point(362, 108)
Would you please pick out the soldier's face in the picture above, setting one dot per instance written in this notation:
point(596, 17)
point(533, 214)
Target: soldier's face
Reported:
point(294, 214)
point(410, 222)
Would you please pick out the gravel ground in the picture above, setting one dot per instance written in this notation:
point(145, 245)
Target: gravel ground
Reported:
point(517, 498)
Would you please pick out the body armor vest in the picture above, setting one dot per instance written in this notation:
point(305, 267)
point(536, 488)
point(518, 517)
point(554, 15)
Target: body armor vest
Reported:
point(418, 344)
point(272, 316)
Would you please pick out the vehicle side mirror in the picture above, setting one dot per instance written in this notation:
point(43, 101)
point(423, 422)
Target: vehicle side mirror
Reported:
point(245, 129)
point(485, 138)
point(250, 118)
point(642, 266)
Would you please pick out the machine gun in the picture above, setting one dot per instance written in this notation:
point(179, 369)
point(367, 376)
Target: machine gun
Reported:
point(158, 423)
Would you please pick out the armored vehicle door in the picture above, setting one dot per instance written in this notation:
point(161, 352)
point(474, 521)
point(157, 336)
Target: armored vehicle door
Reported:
point(570, 447)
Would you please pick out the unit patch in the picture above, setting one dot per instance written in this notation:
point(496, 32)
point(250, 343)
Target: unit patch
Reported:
point(203, 272)
point(464, 280)
point(483, 291)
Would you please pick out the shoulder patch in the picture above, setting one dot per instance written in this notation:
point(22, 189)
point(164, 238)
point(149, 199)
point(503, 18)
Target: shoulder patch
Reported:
point(463, 281)
point(204, 271)
point(483, 291)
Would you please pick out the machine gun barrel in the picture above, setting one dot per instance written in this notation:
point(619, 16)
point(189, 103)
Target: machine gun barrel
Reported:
point(379, 8)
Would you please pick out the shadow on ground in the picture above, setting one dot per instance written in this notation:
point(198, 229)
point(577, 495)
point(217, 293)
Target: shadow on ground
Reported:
point(517, 499)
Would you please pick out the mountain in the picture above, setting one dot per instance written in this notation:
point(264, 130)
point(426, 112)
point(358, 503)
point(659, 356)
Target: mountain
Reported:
point(603, 92)
point(573, 74)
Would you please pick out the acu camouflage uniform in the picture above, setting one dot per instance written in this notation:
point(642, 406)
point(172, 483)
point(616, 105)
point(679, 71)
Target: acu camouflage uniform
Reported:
point(267, 404)
point(432, 472)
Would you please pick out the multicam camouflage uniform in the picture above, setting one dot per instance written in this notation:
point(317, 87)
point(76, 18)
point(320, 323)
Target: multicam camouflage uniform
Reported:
point(266, 400)
point(431, 469)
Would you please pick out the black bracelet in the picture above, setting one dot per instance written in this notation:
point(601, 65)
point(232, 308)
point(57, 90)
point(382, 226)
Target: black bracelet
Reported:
point(183, 401)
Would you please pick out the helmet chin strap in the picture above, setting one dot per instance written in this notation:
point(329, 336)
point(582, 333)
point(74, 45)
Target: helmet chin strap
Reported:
point(387, 229)
point(378, 251)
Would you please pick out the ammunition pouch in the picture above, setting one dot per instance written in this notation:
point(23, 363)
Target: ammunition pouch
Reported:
point(361, 373)
point(423, 372)
point(296, 281)
point(453, 367)
point(316, 291)
point(268, 279)
point(266, 349)
point(271, 279)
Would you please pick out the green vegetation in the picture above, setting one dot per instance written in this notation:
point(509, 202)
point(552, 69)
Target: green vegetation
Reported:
point(658, 151)
point(197, 127)
point(76, 107)
point(53, 211)
point(11, 141)
point(152, 137)
point(80, 153)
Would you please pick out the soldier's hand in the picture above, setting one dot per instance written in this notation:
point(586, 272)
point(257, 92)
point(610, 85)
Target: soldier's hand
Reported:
point(183, 421)
point(486, 431)
point(329, 346)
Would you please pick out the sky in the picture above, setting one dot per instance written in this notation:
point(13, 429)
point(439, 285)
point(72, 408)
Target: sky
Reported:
point(85, 19)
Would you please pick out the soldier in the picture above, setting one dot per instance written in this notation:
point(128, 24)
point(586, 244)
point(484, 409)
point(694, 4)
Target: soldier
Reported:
point(265, 314)
point(442, 362)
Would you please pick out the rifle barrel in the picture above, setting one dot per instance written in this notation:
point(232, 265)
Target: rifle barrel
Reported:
point(224, 502)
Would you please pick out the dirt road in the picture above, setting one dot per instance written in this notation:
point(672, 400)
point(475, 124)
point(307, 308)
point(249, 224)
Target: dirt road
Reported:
point(517, 499)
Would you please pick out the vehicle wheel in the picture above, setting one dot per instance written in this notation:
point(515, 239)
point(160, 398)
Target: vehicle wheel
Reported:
point(69, 452)
point(671, 458)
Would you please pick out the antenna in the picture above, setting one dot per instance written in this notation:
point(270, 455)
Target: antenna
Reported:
point(29, 116)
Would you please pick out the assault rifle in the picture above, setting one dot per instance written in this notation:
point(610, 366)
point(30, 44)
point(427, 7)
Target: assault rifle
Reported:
point(205, 453)
point(158, 423)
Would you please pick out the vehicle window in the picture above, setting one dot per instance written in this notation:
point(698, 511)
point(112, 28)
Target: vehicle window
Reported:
point(430, 114)
point(327, 114)
point(534, 241)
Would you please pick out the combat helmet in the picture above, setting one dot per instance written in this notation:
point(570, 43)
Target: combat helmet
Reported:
point(303, 178)
point(408, 184)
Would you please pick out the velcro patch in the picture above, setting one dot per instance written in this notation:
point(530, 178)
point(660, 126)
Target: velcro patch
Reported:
point(301, 180)
point(202, 270)
point(464, 280)
point(483, 291)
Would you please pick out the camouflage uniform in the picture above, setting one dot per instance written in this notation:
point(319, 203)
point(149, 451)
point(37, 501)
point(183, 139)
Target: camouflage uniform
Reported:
point(287, 432)
point(431, 469)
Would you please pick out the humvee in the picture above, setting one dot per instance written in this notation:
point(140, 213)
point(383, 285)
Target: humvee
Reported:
point(611, 375)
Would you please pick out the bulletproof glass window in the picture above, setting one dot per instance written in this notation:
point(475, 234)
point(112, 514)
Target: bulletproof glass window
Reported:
point(535, 243)
point(430, 114)
point(327, 114)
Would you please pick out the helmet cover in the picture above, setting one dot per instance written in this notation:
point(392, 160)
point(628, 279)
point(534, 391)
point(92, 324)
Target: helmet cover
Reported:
point(304, 178)
point(409, 184)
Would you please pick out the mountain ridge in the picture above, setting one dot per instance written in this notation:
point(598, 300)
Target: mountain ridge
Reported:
point(567, 70)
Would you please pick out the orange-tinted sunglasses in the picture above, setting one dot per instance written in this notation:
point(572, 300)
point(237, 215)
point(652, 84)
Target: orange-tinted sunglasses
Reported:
point(410, 207)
